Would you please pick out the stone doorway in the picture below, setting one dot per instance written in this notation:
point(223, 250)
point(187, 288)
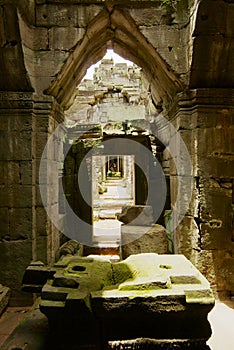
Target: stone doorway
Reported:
point(113, 186)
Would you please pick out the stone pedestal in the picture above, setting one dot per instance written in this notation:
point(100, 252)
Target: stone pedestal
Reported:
point(162, 299)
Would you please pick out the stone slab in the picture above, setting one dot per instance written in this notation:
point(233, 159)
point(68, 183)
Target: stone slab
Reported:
point(137, 215)
point(145, 295)
point(4, 297)
point(143, 239)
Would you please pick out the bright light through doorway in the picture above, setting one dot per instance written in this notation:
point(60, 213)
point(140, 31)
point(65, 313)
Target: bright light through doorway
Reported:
point(109, 54)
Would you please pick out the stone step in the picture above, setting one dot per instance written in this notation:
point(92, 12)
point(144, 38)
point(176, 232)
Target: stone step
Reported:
point(100, 249)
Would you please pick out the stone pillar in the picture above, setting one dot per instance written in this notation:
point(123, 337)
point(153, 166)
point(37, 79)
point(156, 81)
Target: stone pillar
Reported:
point(26, 232)
point(205, 235)
point(47, 115)
point(16, 195)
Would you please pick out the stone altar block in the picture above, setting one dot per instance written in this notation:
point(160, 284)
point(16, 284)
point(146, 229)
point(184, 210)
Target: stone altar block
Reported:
point(161, 299)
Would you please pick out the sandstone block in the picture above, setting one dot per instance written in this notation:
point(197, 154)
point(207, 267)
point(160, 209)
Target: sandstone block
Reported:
point(142, 239)
point(4, 219)
point(210, 22)
point(152, 16)
point(42, 247)
point(212, 194)
point(184, 190)
point(15, 257)
point(152, 288)
point(20, 223)
point(25, 171)
point(66, 16)
point(137, 215)
point(34, 38)
point(216, 235)
point(187, 237)
point(64, 38)
point(41, 221)
point(4, 297)
point(20, 121)
point(182, 148)
point(15, 146)
point(168, 43)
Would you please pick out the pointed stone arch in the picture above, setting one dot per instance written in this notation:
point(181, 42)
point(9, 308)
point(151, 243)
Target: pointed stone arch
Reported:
point(115, 28)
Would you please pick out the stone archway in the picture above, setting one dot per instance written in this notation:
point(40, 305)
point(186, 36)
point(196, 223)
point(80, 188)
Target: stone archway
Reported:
point(115, 28)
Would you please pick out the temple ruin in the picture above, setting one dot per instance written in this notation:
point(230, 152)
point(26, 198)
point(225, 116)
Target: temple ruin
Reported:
point(137, 159)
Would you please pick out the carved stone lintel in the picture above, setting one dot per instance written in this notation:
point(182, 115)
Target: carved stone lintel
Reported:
point(15, 100)
point(206, 96)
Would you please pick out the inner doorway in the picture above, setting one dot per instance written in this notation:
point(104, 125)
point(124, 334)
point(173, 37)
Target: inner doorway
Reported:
point(113, 186)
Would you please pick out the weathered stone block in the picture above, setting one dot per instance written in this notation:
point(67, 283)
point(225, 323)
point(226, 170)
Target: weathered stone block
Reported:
point(158, 291)
point(223, 265)
point(16, 122)
point(217, 118)
point(4, 219)
point(16, 196)
point(187, 238)
point(173, 52)
point(215, 158)
point(15, 257)
point(42, 247)
point(41, 221)
point(39, 142)
point(152, 16)
point(205, 264)
point(15, 145)
point(25, 172)
point(4, 297)
point(226, 273)
point(137, 215)
point(64, 38)
point(185, 194)
point(182, 148)
point(34, 38)
point(20, 196)
point(223, 145)
point(210, 21)
point(71, 247)
point(20, 223)
point(66, 16)
point(205, 74)
point(142, 239)
point(35, 277)
point(215, 235)
point(44, 64)
point(215, 200)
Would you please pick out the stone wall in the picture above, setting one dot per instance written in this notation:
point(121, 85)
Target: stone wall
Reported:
point(16, 197)
point(26, 231)
point(205, 235)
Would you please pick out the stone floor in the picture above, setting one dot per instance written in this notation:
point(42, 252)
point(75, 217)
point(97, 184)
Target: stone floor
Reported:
point(23, 329)
point(107, 231)
point(111, 202)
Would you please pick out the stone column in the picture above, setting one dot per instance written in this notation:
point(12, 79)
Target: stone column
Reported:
point(47, 115)
point(205, 235)
point(26, 232)
point(16, 195)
